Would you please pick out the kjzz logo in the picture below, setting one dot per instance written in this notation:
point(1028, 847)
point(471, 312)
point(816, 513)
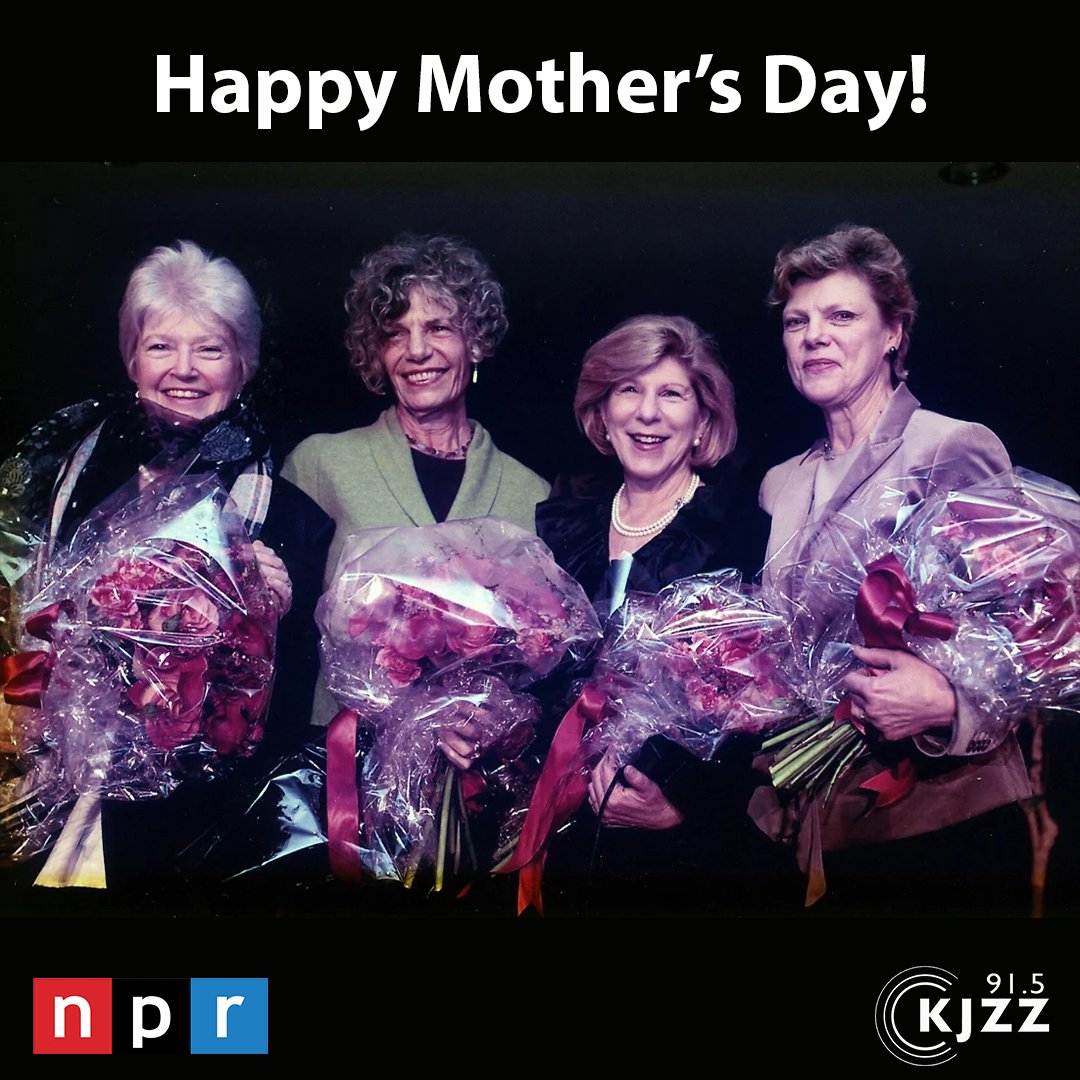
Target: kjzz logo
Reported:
point(922, 1020)
point(140, 1016)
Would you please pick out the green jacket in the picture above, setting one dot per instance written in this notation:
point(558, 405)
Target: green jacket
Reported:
point(365, 479)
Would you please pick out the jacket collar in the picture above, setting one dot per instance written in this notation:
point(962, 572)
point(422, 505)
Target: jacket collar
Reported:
point(792, 509)
point(882, 443)
point(392, 458)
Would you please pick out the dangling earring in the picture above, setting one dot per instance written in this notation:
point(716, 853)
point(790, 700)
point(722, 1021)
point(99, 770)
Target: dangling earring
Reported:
point(607, 437)
point(475, 372)
point(891, 355)
point(136, 393)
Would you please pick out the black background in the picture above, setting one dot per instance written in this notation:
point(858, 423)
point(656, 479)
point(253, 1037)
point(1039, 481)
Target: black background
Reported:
point(578, 247)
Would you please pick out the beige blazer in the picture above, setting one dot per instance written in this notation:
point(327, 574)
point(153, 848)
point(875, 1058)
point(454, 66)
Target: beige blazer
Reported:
point(911, 453)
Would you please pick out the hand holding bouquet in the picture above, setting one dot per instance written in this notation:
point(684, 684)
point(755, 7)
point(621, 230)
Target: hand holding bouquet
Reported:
point(426, 629)
point(703, 658)
point(980, 583)
point(158, 656)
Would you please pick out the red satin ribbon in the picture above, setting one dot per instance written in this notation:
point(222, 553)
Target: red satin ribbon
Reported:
point(559, 792)
point(885, 610)
point(25, 675)
point(343, 797)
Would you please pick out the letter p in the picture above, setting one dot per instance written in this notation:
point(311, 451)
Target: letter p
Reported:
point(138, 1030)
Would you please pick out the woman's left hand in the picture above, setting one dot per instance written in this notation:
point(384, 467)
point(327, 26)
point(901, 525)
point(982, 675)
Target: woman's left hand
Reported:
point(898, 694)
point(636, 803)
point(460, 744)
point(275, 575)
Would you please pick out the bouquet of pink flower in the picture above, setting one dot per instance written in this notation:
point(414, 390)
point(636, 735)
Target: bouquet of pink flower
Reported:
point(158, 656)
point(703, 658)
point(980, 582)
point(428, 629)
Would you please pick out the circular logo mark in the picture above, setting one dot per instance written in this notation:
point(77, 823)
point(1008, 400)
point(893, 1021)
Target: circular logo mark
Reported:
point(897, 1007)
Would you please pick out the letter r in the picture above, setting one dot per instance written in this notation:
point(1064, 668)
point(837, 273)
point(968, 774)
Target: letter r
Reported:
point(224, 1004)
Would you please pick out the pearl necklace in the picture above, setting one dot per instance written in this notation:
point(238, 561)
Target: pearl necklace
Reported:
point(661, 523)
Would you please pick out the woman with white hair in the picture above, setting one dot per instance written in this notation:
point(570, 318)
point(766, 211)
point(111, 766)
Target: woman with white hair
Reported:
point(189, 336)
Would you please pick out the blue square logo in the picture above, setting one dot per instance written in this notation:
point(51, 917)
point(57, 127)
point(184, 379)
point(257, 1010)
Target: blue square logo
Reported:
point(229, 1016)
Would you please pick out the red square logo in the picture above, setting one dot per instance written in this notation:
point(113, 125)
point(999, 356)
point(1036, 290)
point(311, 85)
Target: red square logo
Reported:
point(73, 1016)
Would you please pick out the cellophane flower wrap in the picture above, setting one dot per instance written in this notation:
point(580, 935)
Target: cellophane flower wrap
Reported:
point(17, 539)
point(704, 657)
point(1002, 558)
point(993, 574)
point(430, 628)
point(156, 633)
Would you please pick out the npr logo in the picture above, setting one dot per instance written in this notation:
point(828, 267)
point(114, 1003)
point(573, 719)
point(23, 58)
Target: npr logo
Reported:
point(159, 1016)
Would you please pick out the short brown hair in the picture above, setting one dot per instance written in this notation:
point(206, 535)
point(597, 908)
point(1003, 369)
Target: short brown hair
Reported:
point(635, 346)
point(863, 251)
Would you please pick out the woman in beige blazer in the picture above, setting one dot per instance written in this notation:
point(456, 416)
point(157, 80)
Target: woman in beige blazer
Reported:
point(848, 310)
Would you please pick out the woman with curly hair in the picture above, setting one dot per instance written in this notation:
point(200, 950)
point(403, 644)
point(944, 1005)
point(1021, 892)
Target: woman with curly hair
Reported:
point(424, 312)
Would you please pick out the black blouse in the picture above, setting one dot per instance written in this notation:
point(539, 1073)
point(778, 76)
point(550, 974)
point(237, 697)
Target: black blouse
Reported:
point(721, 527)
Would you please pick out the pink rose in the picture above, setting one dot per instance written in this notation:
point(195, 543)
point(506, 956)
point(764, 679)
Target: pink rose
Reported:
point(401, 670)
point(167, 732)
point(249, 636)
point(167, 678)
point(375, 603)
point(538, 647)
point(116, 603)
point(702, 696)
point(471, 635)
point(190, 612)
point(418, 636)
point(169, 692)
point(233, 724)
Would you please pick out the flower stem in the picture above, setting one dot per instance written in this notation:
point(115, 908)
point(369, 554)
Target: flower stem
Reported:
point(444, 828)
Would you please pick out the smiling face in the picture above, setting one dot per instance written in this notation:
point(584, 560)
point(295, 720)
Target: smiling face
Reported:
point(652, 420)
point(186, 365)
point(836, 341)
point(426, 358)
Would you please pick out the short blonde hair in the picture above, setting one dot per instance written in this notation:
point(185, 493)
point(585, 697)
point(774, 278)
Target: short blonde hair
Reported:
point(635, 346)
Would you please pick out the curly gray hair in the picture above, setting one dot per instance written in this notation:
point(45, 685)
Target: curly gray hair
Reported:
point(450, 273)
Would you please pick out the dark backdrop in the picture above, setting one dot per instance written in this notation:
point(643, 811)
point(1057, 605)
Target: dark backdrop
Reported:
point(578, 247)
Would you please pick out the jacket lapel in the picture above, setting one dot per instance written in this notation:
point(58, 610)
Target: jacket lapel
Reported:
point(794, 502)
point(392, 459)
point(480, 484)
point(884, 441)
